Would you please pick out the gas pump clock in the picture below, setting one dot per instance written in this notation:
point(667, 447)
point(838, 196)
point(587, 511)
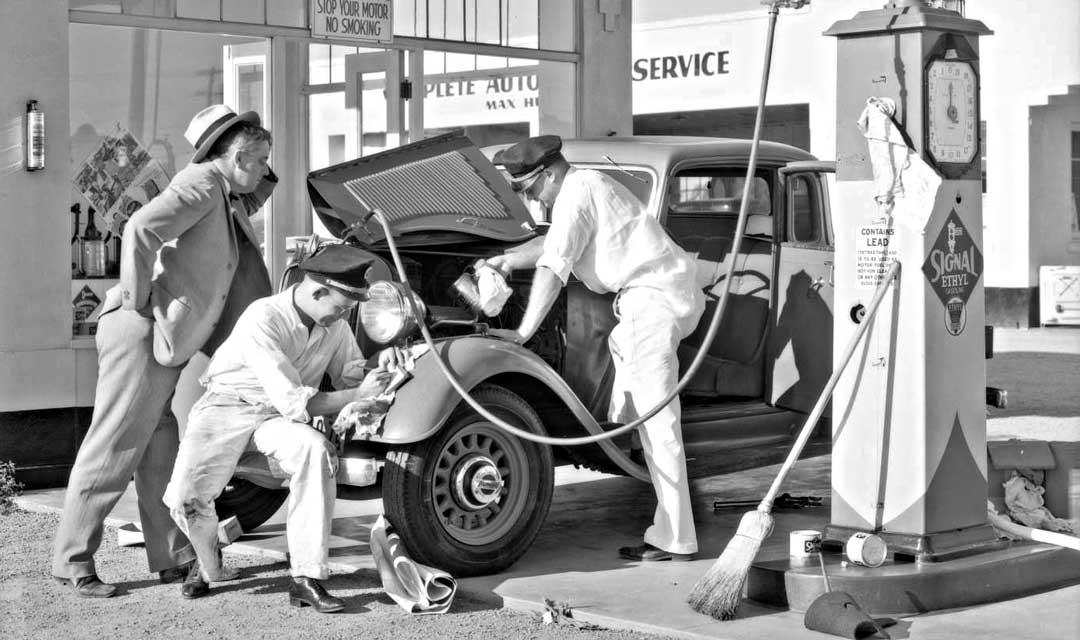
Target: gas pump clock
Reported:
point(952, 109)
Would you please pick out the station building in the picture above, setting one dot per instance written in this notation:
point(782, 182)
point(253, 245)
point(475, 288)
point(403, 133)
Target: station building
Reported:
point(335, 80)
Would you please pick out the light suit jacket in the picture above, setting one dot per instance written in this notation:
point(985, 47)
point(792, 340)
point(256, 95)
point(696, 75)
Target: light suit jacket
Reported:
point(178, 258)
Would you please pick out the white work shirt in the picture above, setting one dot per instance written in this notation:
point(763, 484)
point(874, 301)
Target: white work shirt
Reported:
point(271, 358)
point(600, 232)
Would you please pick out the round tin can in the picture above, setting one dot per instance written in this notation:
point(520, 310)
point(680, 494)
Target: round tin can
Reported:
point(866, 549)
point(804, 543)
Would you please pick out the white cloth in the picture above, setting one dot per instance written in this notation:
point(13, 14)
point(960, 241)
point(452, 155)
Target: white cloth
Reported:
point(417, 588)
point(1024, 500)
point(600, 232)
point(272, 358)
point(905, 186)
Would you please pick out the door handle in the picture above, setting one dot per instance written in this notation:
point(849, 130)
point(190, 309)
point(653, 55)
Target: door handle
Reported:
point(832, 271)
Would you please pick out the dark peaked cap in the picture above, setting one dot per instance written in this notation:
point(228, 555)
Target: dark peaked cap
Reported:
point(529, 157)
point(342, 266)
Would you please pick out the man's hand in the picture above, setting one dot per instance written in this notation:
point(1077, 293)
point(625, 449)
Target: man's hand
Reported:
point(508, 334)
point(391, 358)
point(499, 263)
point(373, 384)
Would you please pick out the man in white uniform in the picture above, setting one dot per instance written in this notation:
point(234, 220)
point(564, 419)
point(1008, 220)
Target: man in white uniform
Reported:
point(262, 389)
point(600, 233)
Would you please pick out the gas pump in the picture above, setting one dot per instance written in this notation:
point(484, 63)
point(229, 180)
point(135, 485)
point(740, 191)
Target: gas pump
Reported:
point(909, 424)
point(909, 467)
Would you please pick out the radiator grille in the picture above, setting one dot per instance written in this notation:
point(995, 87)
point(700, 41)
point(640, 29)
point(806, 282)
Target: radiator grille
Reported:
point(448, 184)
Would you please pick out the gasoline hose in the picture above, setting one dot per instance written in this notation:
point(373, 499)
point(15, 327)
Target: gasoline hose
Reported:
point(714, 323)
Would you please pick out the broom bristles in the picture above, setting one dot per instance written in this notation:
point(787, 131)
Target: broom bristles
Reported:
point(719, 591)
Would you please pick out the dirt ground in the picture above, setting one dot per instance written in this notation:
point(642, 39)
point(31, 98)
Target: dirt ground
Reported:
point(32, 605)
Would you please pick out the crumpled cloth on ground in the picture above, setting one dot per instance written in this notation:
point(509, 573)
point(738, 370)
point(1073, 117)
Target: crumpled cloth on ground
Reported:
point(417, 588)
point(904, 185)
point(1024, 500)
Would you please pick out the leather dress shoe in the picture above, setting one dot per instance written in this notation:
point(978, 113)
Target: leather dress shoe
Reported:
point(175, 574)
point(194, 586)
point(648, 553)
point(89, 586)
point(308, 591)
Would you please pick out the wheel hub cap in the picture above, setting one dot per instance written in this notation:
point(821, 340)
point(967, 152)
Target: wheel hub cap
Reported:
point(477, 482)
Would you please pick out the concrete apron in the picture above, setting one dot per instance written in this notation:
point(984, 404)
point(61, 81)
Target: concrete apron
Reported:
point(574, 559)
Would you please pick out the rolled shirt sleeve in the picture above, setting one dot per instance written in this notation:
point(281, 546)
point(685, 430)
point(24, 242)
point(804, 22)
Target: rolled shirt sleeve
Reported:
point(572, 227)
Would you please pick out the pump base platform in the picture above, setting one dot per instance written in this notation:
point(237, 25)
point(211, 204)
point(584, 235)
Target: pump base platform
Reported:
point(911, 588)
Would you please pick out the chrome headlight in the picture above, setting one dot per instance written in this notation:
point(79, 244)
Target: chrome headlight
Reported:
point(387, 315)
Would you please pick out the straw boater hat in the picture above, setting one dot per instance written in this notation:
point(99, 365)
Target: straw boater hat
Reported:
point(209, 124)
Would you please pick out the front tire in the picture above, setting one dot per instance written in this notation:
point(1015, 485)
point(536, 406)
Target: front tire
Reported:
point(251, 504)
point(471, 499)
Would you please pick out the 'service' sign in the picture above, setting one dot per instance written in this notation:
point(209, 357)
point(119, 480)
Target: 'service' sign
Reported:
point(361, 20)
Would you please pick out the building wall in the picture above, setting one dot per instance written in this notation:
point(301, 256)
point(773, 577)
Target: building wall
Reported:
point(1055, 239)
point(37, 364)
point(1032, 56)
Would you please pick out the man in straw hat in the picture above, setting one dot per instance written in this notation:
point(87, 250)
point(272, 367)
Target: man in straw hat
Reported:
point(600, 233)
point(191, 263)
point(262, 389)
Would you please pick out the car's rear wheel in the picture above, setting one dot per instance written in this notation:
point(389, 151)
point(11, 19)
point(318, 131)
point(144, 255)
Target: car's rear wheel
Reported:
point(471, 499)
point(251, 504)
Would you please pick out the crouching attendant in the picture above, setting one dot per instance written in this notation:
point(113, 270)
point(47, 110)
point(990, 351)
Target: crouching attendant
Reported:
point(262, 391)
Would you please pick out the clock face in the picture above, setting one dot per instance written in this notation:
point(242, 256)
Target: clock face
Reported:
point(951, 116)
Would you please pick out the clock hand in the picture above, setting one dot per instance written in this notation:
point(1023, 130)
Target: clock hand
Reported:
point(951, 111)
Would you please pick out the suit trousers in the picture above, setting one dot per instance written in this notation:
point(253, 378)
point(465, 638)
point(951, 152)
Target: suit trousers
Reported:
point(132, 432)
point(221, 427)
point(643, 347)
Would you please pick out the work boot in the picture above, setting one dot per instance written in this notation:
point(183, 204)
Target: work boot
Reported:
point(175, 574)
point(648, 553)
point(308, 591)
point(194, 585)
point(88, 586)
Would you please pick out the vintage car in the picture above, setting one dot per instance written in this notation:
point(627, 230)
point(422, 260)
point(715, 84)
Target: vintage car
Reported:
point(467, 496)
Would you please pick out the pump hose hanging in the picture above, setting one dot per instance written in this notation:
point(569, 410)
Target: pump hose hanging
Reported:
point(599, 435)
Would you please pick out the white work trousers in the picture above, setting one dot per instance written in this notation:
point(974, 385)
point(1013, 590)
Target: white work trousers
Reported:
point(643, 345)
point(219, 430)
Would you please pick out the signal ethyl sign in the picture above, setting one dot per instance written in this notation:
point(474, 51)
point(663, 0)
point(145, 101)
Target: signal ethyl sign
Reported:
point(952, 268)
point(361, 20)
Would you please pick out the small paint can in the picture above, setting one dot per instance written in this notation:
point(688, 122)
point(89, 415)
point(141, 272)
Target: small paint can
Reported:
point(804, 543)
point(866, 549)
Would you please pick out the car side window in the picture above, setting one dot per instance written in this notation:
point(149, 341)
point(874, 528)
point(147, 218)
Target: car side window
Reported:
point(805, 224)
point(703, 208)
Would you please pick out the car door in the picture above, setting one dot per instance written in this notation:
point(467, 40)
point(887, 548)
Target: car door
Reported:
point(800, 343)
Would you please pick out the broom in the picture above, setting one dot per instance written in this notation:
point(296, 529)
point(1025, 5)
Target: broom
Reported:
point(718, 592)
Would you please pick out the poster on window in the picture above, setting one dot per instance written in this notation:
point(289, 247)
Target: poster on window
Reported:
point(119, 177)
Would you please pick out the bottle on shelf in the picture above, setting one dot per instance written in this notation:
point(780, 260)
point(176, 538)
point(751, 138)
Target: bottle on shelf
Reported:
point(112, 251)
point(76, 241)
point(93, 248)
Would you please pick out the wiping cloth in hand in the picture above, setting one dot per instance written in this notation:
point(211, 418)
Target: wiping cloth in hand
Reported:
point(417, 588)
point(904, 185)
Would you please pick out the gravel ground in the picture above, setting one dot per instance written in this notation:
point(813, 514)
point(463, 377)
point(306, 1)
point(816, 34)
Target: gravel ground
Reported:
point(32, 605)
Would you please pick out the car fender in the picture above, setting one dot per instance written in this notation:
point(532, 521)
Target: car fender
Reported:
point(424, 403)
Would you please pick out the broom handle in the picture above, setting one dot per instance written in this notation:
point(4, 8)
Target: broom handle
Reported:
point(1035, 535)
point(819, 407)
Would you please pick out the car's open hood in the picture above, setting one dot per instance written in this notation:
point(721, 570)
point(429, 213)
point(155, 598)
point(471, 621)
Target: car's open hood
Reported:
point(439, 185)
